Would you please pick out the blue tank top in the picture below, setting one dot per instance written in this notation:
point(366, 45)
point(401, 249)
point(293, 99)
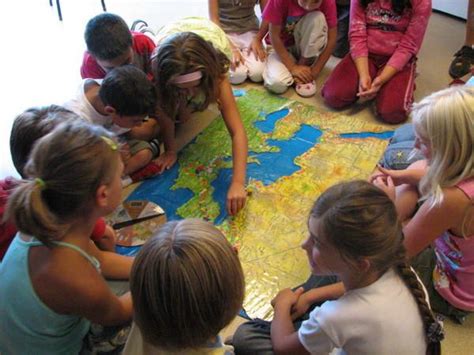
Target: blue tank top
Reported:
point(27, 325)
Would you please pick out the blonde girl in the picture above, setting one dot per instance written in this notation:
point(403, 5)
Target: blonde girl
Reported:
point(353, 234)
point(52, 276)
point(440, 234)
point(187, 284)
point(190, 75)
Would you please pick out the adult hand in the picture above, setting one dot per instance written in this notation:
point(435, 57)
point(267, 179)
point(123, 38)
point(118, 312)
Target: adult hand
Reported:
point(302, 74)
point(236, 196)
point(166, 160)
point(256, 47)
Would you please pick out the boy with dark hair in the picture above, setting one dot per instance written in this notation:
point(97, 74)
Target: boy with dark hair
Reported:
point(110, 44)
point(121, 103)
point(27, 128)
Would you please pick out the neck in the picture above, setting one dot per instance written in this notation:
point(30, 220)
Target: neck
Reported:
point(91, 90)
point(359, 279)
point(80, 231)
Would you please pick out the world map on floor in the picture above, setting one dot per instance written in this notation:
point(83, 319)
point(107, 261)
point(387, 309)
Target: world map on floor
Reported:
point(296, 151)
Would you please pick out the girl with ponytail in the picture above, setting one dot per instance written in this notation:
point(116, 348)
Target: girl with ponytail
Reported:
point(52, 276)
point(378, 307)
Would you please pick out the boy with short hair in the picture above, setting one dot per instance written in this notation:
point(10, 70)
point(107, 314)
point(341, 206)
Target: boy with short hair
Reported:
point(110, 44)
point(27, 128)
point(121, 103)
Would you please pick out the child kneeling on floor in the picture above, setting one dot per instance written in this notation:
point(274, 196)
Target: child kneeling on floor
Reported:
point(354, 233)
point(52, 275)
point(187, 284)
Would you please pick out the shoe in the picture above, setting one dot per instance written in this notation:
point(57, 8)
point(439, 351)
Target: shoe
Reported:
point(461, 64)
point(306, 90)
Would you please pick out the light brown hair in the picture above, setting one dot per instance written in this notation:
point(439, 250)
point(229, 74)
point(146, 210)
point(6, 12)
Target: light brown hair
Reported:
point(184, 53)
point(30, 126)
point(187, 284)
point(361, 221)
point(65, 169)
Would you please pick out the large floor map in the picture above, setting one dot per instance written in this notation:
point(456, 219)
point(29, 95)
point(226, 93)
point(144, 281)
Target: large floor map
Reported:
point(296, 151)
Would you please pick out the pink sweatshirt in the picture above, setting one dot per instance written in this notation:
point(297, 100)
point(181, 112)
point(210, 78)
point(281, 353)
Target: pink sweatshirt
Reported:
point(378, 30)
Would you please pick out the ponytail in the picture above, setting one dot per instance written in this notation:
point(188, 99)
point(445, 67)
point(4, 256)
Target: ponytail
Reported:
point(433, 328)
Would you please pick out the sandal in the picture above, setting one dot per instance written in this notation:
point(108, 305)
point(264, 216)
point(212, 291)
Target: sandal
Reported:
point(461, 64)
point(306, 90)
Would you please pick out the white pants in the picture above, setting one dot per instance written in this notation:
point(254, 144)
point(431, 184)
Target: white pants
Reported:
point(253, 67)
point(311, 36)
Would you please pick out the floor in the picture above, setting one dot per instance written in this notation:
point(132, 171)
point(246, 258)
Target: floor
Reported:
point(41, 57)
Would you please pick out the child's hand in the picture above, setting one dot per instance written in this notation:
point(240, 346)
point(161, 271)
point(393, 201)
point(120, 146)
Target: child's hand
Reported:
point(236, 197)
point(373, 90)
point(302, 74)
point(365, 82)
point(287, 298)
point(256, 47)
point(300, 307)
point(166, 160)
point(237, 58)
point(385, 183)
point(400, 177)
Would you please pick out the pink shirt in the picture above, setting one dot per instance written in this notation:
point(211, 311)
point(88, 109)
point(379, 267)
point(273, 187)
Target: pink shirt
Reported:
point(287, 13)
point(453, 275)
point(378, 30)
point(143, 47)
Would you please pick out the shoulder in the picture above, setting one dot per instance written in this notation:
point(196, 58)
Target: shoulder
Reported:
point(328, 8)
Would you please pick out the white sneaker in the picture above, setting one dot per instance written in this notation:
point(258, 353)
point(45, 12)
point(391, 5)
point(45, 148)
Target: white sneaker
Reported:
point(306, 90)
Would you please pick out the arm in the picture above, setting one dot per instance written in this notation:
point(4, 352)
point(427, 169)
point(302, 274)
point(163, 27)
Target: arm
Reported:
point(113, 266)
point(256, 45)
point(284, 337)
point(107, 241)
point(236, 195)
point(430, 222)
point(323, 58)
point(316, 295)
point(167, 136)
point(213, 9)
point(365, 81)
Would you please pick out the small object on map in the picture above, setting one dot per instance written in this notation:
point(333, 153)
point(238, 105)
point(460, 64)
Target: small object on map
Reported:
point(136, 221)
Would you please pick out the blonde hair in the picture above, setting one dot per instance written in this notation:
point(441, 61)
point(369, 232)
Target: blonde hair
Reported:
point(184, 53)
point(187, 284)
point(446, 120)
point(65, 169)
point(361, 221)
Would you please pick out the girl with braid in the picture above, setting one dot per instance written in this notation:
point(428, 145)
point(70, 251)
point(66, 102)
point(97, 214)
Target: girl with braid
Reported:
point(354, 234)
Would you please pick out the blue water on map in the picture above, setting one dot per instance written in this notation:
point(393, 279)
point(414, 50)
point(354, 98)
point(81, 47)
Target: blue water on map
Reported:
point(268, 124)
point(380, 135)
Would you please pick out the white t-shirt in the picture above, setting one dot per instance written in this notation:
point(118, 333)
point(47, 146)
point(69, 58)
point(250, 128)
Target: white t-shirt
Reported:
point(382, 318)
point(82, 107)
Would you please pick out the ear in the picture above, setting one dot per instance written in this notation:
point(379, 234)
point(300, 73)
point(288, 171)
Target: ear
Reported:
point(364, 265)
point(102, 196)
point(110, 110)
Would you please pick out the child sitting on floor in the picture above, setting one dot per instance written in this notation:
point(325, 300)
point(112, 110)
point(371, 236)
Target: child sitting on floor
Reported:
point(240, 23)
point(110, 44)
point(303, 35)
point(191, 73)
point(27, 128)
point(354, 233)
point(52, 276)
point(385, 37)
point(440, 235)
point(187, 284)
point(121, 102)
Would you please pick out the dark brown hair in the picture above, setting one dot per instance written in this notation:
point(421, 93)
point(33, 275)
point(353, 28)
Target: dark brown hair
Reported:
point(184, 53)
point(187, 284)
point(361, 221)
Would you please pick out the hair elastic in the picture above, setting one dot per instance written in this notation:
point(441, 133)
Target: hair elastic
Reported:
point(111, 143)
point(186, 78)
point(40, 182)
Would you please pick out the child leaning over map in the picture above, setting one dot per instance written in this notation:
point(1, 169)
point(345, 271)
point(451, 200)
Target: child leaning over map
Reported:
point(191, 73)
point(121, 103)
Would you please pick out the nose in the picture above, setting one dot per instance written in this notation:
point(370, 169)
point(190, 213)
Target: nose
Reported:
point(306, 245)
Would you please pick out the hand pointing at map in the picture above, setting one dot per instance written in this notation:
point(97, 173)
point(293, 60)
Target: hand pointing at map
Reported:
point(236, 197)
